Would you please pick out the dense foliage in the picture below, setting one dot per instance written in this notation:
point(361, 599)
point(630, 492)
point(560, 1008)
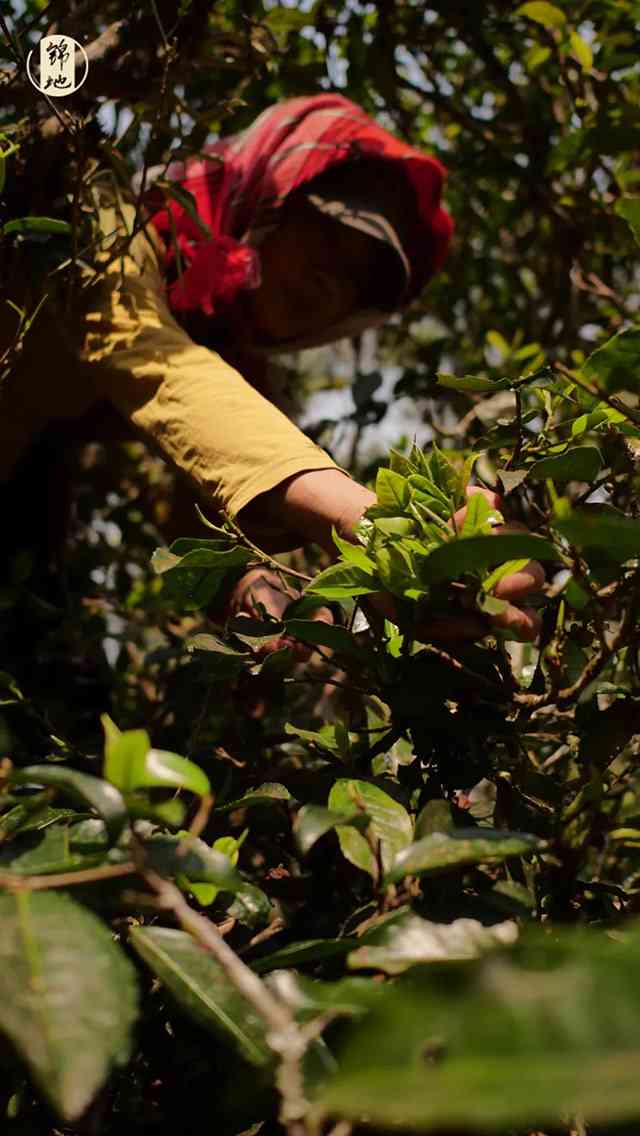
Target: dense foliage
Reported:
point(386, 884)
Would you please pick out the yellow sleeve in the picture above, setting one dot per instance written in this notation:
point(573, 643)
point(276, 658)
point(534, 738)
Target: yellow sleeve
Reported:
point(205, 417)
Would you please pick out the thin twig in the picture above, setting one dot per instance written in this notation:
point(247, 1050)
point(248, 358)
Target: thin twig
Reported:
point(596, 392)
point(283, 1033)
point(263, 556)
point(13, 882)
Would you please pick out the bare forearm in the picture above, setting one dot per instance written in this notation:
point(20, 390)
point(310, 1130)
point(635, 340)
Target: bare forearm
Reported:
point(309, 504)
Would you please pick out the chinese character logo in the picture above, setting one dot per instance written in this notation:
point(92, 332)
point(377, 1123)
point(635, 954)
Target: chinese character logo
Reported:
point(59, 55)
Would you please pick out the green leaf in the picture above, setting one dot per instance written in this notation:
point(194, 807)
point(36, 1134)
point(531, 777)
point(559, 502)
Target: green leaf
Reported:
point(629, 208)
point(252, 631)
point(308, 997)
point(392, 490)
point(605, 529)
point(123, 752)
point(614, 366)
point(193, 859)
point(478, 516)
point(307, 950)
point(131, 764)
point(580, 463)
point(250, 906)
point(216, 646)
point(81, 787)
point(340, 581)
point(353, 553)
point(581, 50)
point(390, 823)
point(271, 792)
point(25, 818)
point(575, 594)
point(542, 13)
point(518, 1039)
point(193, 579)
point(471, 383)
point(37, 225)
point(202, 989)
point(186, 200)
point(509, 568)
point(206, 893)
point(478, 553)
point(314, 821)
point(458, 848)
point(435, 816)
point(395, 568)
point(53, 850)
point(403, 939)
point(68, 996)
point(322, 634)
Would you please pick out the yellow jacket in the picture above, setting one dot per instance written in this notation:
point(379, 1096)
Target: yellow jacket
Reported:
point(123, 346)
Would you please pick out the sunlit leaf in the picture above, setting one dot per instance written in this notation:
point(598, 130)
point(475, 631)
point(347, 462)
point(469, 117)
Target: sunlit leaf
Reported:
point(542, 13)
point(390, 825)
point(403, 939)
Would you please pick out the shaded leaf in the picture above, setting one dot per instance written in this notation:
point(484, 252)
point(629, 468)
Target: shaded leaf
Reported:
point(250, 906)
point(519, 1038)
point(629, 208)
point(192, 858)
point(68, 996)
point(314, 821)
point(478, 553)
point(600, 528)
point(269, 793)
point(322, 634)
point(307, 950)
point(203, 989)
point(82, 787)
point(581, 463)
point(37, 225)
point(440, 851)
point(52, 850)
point(435, 816)
point(614, 366)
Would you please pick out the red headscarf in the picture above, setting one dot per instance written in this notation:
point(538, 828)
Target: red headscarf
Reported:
point(241, 182)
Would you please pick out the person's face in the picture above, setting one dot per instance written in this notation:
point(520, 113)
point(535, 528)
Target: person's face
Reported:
point(310, 268)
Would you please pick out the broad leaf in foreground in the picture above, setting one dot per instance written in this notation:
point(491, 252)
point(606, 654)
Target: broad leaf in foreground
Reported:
point(68, 996)
point(521, 1037)
point(404, 939)
point(202, 988)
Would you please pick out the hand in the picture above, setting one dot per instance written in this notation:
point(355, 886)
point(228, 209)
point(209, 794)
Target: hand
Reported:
point(310, 503)
point(522, 622)
point(262, 585)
